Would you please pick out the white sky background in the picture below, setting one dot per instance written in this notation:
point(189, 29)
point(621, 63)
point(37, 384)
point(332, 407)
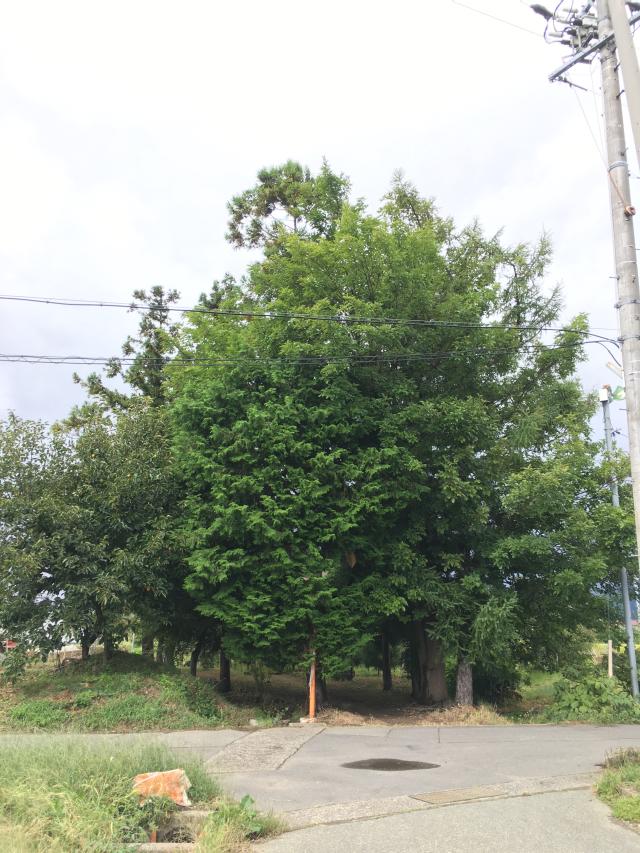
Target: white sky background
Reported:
point(126, 127)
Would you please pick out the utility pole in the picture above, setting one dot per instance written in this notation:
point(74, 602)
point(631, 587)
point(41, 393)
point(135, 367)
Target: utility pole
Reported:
point(587, 36)
point(624, 245)
point(629, 64)
point(628, 289)
point(615, 500)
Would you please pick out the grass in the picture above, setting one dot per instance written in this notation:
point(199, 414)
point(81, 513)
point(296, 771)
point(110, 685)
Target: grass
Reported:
point(620, 785)
point(127, 694)
point(232, 824)
point(58, 798)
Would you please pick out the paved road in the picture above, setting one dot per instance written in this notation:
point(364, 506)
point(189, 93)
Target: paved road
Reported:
point(291, 769)
point(504, 789)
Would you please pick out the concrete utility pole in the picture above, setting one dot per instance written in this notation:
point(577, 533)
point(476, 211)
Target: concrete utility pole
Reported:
point(628, 289)
point(615, 500)
point(629, 64)
point(587, 35)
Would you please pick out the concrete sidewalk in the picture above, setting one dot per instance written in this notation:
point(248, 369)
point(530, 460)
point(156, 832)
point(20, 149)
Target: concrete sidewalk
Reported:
point(569, 822)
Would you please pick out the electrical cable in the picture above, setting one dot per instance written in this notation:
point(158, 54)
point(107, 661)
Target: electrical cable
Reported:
point(496, 18)
point(359, 358)
point(588, 123)
point(344, 319)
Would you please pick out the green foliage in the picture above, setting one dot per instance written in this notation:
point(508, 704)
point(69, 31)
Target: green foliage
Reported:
point(587, 694)
point(84, 699)
point(341, 475)
point(196, 694)
point(286, 199)
point(151, 350)
point(13, 664)
point(70, 797)
point(400, 444)
point(87, 513)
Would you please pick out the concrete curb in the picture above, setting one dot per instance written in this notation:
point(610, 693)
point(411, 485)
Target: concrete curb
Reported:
point(371, 809)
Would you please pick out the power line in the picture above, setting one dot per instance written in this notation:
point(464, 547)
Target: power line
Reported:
point(345, 319)
point(495, 18)
point(359, 358)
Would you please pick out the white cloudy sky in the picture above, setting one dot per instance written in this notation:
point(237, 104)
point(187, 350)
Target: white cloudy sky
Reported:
point(125, 127)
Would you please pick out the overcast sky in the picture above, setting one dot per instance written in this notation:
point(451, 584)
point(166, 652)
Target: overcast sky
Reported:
point(126, 127)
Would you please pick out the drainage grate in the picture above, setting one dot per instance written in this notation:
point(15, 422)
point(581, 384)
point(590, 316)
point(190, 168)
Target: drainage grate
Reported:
point(389, 764)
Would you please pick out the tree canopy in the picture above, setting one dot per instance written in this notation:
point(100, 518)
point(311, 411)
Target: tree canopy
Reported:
point(376, 435)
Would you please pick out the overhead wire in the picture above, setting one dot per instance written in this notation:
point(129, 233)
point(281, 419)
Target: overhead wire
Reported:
point(357, 358)
point(341, 318)
point(495, 18)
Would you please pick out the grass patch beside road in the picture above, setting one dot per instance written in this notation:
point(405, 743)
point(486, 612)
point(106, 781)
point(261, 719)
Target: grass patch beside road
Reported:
point(127, 694)
point(72, 797)
point(620, 785)
point(67, 797)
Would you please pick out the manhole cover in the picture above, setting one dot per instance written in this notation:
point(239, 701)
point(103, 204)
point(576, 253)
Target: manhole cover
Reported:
point(389, 764)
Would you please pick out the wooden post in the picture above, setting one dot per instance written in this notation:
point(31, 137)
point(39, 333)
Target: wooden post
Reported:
point(312, 689)
point(610, 658)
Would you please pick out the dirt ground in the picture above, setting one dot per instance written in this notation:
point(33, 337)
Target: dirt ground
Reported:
point(361, 701)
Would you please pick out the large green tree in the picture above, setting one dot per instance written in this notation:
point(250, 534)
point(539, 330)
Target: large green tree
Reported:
point(169, 619)
point(351, 456)
point(86, 526)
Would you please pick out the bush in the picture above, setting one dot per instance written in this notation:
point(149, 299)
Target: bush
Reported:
point(83, 699)
point(587, 694)
point(14, 664)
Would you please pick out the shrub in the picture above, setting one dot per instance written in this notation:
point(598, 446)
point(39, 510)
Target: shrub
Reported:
point(200, 699)
point(14, 664)
point(587, 694)
point(83, 699)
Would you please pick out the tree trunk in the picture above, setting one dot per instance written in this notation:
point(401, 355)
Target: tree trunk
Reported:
point(169, 653)
point(193, 660)
point(107, 644)
point(418, 662)
point(387, 678)
point(464, 683)
point(160, 652)
point(436, 678)
point(147, 645)
point(428, 681)
point(322, 694)
point(85, 645)
point(224, 685)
